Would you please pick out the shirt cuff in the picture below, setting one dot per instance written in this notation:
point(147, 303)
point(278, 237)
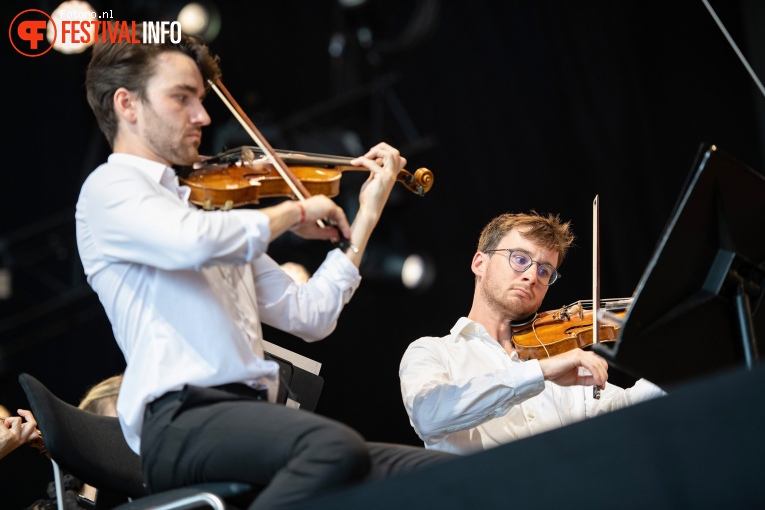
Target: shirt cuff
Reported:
point(257, 229)
point(343, 272)
point(527, 378)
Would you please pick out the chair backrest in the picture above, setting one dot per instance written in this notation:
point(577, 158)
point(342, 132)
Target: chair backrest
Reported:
point(88, 446)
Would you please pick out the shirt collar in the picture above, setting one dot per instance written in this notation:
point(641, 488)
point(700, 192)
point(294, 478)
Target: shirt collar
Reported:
point(466, 328)
point(156, 171)
point(153, 169)
point(469, 328)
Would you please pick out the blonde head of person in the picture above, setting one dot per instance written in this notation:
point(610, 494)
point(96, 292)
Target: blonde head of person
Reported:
point(102, 398)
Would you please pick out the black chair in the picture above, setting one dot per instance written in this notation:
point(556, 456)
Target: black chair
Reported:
point(92, 448)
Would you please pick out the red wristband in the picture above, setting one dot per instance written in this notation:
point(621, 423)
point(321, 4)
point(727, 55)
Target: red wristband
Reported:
point(302, 213)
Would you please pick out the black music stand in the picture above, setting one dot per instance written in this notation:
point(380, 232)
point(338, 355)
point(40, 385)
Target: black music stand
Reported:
point(695, 310)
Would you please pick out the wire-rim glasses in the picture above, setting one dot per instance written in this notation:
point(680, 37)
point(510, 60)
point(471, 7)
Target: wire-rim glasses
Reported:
point(521, 260)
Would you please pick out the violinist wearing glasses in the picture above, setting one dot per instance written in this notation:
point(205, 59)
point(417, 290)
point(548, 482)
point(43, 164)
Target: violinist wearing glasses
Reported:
point(470, 390)
point(186, 291)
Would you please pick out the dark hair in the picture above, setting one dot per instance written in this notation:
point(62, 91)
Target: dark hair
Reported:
point(115, 65)
point(547, 231)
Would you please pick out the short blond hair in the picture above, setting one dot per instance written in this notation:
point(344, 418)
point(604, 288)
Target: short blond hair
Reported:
point(99, 397)
point(547, 231)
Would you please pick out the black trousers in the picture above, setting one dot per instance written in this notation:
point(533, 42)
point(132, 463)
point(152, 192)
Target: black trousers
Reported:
point(232, 434)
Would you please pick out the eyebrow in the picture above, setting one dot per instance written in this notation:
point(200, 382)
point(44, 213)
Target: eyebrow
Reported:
point(187, 88)
point(524, 250)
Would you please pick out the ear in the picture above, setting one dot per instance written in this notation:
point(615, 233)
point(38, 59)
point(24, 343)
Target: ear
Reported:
point(125, 103)
point(478, 265)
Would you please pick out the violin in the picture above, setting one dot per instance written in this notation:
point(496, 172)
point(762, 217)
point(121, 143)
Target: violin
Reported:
point(244, 175)
point(554, 332)
point(297, 188)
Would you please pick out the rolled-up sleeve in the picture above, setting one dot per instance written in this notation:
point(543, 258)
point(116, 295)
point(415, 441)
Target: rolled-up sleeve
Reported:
point(443, 394)
point(130, 218)
point(310, 310)
point(614, 398)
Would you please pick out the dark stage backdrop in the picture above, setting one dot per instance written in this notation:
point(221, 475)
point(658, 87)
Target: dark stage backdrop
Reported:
point(514, 105)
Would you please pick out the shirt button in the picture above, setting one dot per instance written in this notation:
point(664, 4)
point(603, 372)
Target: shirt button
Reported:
point(531, 415)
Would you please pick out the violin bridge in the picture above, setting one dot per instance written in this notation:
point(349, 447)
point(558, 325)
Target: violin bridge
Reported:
point(248, 157)
point(565, 312)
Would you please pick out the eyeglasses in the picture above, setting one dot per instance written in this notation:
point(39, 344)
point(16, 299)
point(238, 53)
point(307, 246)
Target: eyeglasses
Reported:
point(520, 261)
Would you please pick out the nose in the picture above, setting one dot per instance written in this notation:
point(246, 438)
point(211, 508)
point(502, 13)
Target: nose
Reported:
point(531, 272)
point(201, 117)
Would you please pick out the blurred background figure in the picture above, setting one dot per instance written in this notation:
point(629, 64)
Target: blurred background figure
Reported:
point(297, 272)
point(17, 430)
point(100, 399)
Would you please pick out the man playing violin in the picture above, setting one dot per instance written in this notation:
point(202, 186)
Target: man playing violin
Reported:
point(186, 291)
point(469, 390)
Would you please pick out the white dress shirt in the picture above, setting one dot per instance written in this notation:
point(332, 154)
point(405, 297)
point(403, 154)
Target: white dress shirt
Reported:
point(186, 290)
point(465, 393)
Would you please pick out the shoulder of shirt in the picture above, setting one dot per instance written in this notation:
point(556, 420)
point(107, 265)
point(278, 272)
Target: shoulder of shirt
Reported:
point(455, 334)
point(126, 165)
point(465, 326)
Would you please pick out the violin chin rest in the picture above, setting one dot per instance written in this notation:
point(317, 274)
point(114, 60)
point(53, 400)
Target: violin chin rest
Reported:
point(524, 321)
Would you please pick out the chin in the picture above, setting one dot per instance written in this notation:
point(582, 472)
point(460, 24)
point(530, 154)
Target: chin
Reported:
point(521, 311)
point(187, 159)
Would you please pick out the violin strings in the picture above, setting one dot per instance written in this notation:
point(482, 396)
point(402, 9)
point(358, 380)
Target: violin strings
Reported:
point(587, 303)
point(275, 161)
point(274, 158)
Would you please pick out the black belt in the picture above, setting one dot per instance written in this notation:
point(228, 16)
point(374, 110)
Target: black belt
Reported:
point(238, 389)
point(243, 390)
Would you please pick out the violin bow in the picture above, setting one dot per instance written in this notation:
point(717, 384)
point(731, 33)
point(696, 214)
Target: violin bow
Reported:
point(734, 46)
point(596, 281)
point(293, 182)
point(595, 270)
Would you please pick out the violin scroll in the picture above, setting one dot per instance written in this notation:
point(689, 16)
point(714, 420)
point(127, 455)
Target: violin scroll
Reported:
point(419, 183)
